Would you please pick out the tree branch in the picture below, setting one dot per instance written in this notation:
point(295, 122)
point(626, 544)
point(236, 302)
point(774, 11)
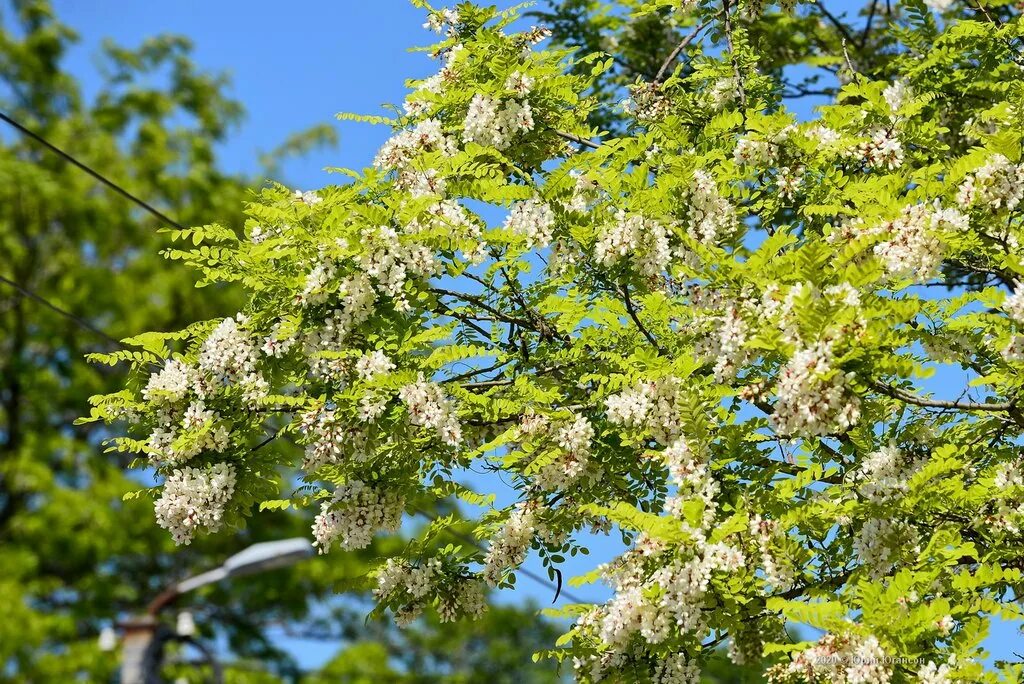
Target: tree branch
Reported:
point(636, 319)
point(682, 46)
point(910, 398)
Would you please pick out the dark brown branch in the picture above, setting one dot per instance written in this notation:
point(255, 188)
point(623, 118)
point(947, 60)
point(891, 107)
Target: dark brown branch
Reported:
point(867, 26)
point(682, 46)
point(839, 26)
point(631, 310)
point(910, 398)
point(477, 301)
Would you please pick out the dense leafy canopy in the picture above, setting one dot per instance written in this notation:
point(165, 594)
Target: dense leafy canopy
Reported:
point(781, 356)
point(76, 556)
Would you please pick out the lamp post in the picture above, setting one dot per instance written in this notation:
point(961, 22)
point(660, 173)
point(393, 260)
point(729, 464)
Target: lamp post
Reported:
point(144, 637)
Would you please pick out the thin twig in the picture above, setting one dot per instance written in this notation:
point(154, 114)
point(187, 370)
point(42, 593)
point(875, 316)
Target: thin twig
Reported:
point(577, 139)
point(631, 310)
point(682, 46)
point(732, 58)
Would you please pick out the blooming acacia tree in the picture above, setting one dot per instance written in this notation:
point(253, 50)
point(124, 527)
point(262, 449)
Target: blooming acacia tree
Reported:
point(710, 330)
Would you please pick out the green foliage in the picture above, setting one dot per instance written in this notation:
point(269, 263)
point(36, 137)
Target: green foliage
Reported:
point(780, 358)
point(78, 545)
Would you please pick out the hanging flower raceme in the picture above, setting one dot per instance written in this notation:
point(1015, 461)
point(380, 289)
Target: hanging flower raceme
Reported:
point(354, 514)
point(194, 499)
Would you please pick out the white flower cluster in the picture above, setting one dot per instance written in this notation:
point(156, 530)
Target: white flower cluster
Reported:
point(788, 180)
point(171, 384)
point(882, 151)
point(441, 18)
point(884, 474)
point(727, 351)
point(1013, 306)
point(329, 439)
point(935, 674)
point(355, 513)
point(658, 595)
point(430, 407)
point(652, 408)
point(414, 581)
point(309, 197)
point(534, 220)
point(999, 184)
point(180, 435)
point(647, 102)
point(896, 94)
point(573, 438)
point(468, 598)
point(453, 218)
point(194, 498)
point(371, 365)
point(913, 245)
point(814, 398)
point(520, 84)
point(782, 310)
point(401, 149)
point(825, 137)
point(640, 240)
point(390, 260)
point(492, 123)
point(276, 346)
point(710, 217)
point(1009, 475)
point(508, 548)
point(228, 357)
point(356, 301)
point(779, 573)
point(722, 92)
point(748, 152)
point(689, 473)
point(838, 660)
point(676, 669)
point(316, 289)
point(1014, 350)
point(877, 545)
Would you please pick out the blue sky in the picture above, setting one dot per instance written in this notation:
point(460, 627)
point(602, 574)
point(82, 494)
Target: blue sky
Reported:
point(293, 66)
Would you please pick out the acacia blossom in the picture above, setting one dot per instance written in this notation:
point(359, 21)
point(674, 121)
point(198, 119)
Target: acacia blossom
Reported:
point(429, 407)
point(194, 498)
point(354, 514)
point(494, 123)
point(508, 549)
point(814, 397)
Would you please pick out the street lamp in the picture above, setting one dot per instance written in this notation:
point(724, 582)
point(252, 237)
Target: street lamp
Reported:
point(144, 639)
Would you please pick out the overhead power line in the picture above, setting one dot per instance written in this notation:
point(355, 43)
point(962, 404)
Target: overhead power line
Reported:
point(107, 182)
point(92, 172)
point(96, 331)
point(81, 322)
